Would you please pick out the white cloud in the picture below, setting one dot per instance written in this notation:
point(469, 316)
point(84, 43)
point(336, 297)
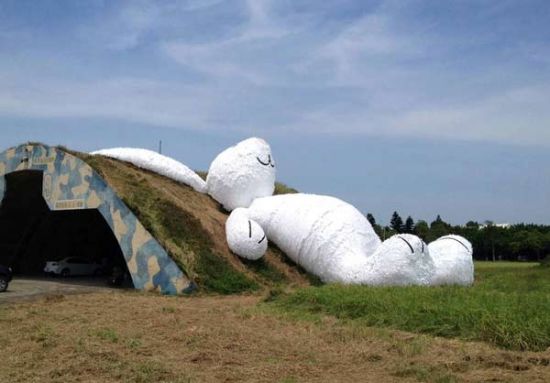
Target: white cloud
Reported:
point(124, 28)
point(271, 68)
point(127, 99)
point(237, 56)
point(516, 116)
point(193, 5)
point(125, 25)
point(261, 24)
point(519, 116)
point(219, 59)
point(367, 39)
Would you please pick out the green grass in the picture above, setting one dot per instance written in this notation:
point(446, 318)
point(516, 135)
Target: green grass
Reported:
point(281, 188)
point(422, 373)
point(107, 334)
point(217, 275)
point(212, 272)
point(183, 236)
point(266, 271)
point(483, 265)
point(508, 306)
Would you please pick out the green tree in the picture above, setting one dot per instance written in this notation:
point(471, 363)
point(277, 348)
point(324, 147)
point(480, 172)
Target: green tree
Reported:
point(438, 228)
point(490, 231)
point(409, 225)
point(439, 222)
point(422, 229)
point(371, 219)
point(377, 228)
point(546, 246)
point(387, 232)
point(535, 243)
point(472, 225)
point(396, 222)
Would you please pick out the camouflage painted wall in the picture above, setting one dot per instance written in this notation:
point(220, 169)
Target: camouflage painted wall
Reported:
point(71, 184)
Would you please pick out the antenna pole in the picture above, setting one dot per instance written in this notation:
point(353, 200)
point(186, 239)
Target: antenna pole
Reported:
point(160, 147)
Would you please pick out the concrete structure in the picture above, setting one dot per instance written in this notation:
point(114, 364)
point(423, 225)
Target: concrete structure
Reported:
point(71, 184)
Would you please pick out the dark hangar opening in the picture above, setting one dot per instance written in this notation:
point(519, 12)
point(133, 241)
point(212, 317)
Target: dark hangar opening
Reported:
point(31, 235)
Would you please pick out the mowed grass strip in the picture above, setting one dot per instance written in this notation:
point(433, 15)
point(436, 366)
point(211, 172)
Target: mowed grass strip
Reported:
point(508, 306)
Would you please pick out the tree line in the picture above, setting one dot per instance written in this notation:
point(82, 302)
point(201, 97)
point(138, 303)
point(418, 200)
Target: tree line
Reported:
point(523, 242)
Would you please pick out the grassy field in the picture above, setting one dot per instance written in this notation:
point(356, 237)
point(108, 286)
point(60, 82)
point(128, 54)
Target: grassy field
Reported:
point(120, 336)
point(508, 306)
point(315, 334)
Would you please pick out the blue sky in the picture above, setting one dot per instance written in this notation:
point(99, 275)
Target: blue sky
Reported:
point(427, 107)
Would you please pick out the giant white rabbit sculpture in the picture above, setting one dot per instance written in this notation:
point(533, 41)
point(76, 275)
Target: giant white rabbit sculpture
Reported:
point(325, 235)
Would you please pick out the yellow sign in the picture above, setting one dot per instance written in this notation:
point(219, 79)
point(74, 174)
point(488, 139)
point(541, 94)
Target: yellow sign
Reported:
point(43, 160)
point(69, 204)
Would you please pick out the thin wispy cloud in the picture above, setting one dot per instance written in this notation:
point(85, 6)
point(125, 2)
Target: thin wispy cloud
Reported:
point(382, 68)
point(129, 99)
point(386, 96)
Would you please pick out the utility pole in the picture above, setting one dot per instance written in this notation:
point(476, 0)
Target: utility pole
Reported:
point(160, 146)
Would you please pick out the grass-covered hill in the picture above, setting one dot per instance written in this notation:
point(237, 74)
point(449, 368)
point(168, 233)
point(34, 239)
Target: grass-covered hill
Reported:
point(191, 227)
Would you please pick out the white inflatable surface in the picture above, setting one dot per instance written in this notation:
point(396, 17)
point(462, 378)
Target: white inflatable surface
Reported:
point(332, 240)
point(245, 237)
point(242, 173)
point(402, 259)
point(155, 162)
point(326, 236)
point(452, 256)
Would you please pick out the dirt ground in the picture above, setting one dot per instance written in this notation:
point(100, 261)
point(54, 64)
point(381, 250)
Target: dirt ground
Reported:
point(126, 336)
point(32, 288)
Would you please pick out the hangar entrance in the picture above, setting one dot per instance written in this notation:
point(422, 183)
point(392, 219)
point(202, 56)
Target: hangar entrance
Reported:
point(31, 234)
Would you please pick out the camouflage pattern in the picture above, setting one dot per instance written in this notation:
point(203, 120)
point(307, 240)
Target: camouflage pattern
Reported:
point(70, 184)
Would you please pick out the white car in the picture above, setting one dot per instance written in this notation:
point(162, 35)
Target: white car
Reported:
point(73, 266)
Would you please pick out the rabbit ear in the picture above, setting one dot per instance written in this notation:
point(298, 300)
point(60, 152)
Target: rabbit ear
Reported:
point(245, 237)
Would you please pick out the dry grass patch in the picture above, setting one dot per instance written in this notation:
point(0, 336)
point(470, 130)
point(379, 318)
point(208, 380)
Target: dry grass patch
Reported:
point(135, 337)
